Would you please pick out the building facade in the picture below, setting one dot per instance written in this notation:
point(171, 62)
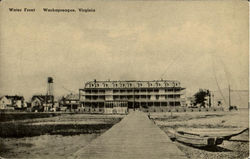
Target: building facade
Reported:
point(70, 101)
point(12, 102)
point(42, 102)
point(132, 94)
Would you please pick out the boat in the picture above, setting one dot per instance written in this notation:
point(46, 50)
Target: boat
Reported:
point(193, 139)
point(225, 133)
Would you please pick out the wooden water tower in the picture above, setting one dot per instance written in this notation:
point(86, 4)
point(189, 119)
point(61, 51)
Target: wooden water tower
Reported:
point(50, 86)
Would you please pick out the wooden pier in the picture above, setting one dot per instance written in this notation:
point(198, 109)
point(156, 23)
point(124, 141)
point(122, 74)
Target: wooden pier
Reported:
point(135, 137)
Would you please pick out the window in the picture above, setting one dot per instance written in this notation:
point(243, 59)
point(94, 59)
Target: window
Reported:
point(156, 90)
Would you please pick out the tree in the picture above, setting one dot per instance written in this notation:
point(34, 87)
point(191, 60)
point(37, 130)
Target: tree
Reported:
point(200, 97)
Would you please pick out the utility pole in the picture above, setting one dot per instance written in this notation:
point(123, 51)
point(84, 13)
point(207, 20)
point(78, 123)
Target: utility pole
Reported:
point(209, 99)
point(229, 96)
point(45, 102)
point(212, 99)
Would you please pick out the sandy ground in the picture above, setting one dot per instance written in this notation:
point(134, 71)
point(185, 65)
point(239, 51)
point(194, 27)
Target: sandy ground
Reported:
point(237, 147)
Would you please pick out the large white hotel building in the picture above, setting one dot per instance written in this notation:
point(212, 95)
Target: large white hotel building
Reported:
point(132, 94)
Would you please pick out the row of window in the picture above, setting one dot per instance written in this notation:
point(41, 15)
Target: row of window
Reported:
point(137, 104)
point(132, 91)
point(136, 97)
point(131, 85)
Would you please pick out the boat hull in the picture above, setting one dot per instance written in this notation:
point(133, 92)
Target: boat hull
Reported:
point(226, 134)
point(194, 140)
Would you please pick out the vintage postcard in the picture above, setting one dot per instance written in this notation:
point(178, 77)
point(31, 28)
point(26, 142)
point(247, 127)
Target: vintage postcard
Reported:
point(130, 79)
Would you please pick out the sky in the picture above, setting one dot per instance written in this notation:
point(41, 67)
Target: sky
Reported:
point(195, 42)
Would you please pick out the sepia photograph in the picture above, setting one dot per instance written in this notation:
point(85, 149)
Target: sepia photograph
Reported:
point(124, 79)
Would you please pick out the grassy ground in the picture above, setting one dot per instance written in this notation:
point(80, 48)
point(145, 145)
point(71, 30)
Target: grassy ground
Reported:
point(237, 147)
point(57, 136)
point(64, 124)
point(13, 116)
point(44, 146)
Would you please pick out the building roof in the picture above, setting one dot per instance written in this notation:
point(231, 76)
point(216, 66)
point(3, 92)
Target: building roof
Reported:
point(43, 98)
point(132, 84)
point(72, 97)
point(15, 97)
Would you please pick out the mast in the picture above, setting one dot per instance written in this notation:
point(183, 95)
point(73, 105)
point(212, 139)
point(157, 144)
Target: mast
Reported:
point(229, 96)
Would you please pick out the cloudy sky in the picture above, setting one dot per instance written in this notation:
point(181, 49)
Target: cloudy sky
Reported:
point(194, 42)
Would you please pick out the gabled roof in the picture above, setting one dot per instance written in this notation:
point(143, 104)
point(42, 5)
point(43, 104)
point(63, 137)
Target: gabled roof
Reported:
point(43, 98)
point(72, 97)
point(2, 97)
point(15, 97)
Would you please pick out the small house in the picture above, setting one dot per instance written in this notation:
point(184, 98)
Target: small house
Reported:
point(70, 101)
point(12, 102)
point(42, 102)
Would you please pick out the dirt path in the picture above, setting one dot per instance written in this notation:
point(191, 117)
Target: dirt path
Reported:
point(134, 137)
